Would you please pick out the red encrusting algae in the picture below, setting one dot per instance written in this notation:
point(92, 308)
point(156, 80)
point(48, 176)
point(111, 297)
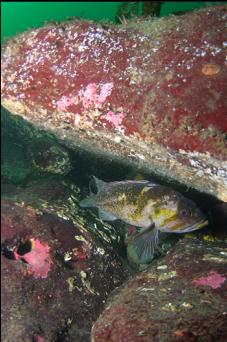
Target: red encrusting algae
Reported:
point(166, 84)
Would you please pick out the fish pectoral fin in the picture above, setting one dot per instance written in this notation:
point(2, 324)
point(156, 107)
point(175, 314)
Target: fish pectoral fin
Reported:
point(105, 216)
point(145, 244)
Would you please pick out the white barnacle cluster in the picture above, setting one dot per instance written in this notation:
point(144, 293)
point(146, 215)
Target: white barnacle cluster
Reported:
point(206, 165)
point(99, 42)
point(138, 61)
point(207, 48)
point(194, 51)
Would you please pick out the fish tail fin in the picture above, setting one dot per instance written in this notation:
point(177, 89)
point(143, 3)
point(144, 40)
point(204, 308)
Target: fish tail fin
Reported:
point(145, 244)
point(99, 184)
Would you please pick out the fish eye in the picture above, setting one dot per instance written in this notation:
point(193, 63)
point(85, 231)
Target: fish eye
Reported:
point(185, 212)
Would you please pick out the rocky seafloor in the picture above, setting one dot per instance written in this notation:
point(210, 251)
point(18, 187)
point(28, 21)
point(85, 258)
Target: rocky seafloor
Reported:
point(140, 100)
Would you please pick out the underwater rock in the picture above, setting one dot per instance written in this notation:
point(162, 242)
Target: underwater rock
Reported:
point(15, 170)
point(53, 159)
point(27, 154)
point(16, 165)
point(55, 277)
point(150, 93)
point(181, 297)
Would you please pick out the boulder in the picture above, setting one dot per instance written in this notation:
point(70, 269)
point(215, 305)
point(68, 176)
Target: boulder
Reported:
point(181, 297)
point(150, 94)
point(56, 273)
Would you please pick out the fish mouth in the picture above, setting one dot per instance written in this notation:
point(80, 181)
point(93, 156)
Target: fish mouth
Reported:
point(179, 227)
point(202, 223)
point(196, 226)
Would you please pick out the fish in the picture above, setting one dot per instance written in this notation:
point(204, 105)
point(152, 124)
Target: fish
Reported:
point(152, 207)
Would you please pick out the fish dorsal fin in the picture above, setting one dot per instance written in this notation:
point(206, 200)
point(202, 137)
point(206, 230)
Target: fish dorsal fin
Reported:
point(143, 182)
point(98, 183)
point(133, 182)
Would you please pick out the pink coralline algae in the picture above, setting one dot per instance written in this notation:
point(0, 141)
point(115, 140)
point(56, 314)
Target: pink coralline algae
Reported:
point(65, 102)
point(213, 279)
point(90, 96)
point(106, 90)
point(38, 258)
point(115, 119)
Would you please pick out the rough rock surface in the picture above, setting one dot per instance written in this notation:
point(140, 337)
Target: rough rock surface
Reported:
point(111, 101)
point(56, 275)
point(180, 298)
point(150, 93)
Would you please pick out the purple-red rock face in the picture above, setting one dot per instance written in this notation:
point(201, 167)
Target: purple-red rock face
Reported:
point(149, 92)
point(52, 277)
point(161, 81)
point(180, 298)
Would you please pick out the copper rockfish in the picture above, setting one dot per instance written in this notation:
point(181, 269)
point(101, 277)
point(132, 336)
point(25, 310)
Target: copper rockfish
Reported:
point(152, 207)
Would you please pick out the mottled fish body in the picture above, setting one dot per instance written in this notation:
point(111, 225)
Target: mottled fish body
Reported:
point(120, 200)
point(147, 205)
